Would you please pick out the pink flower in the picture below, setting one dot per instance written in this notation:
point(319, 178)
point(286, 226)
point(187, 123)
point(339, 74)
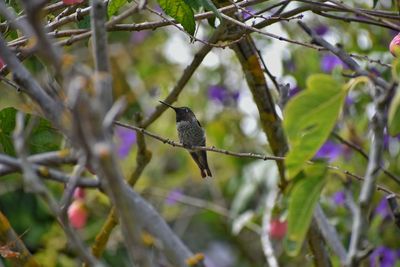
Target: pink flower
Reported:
point(277, 229)
point(72, 2)
point(77, 214)
point(394, 46)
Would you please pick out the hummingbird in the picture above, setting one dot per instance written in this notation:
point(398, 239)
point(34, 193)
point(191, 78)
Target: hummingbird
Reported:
point(190, 134)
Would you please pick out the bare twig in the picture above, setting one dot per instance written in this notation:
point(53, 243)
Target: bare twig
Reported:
point(316, 243)
point(46, 46)
point(186, 75)
point(394, 208)
point(365, 155)
point(204, 204)
point(176, 144)
point(100, 51)
point(266, 224)
point(351, 63)
point(360, 223)
point(329, 233)
point(34, 184)
point(30, 86)
point(10, 164)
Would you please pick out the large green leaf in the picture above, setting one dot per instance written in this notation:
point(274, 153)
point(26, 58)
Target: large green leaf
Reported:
point(302, 201)
point(309, 118)
point(181, 11)
point(394, 115)
point(114, 6)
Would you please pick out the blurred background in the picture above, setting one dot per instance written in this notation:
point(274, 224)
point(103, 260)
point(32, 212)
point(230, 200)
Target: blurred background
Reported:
point(220, 217)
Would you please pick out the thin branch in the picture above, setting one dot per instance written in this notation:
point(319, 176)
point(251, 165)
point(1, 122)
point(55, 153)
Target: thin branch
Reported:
point(46, 46)
point(34, 184)
point(254, 29)
point(363, 14)
point(317, 246)
point(8, 237)
point(203, 204)
point(266, 243)
point(186, 75)
point(100, 54)
point(329, 233)
point(143, 157)
point(394, 208)
point(46, 159)
point(29, 85)
point(360, 222)
point(241, 154)
point(351, 63)
point(365, 155)
point(213, 149)
point(10, 164)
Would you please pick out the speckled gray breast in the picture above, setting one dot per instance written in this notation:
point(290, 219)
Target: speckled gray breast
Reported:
point(190, 133)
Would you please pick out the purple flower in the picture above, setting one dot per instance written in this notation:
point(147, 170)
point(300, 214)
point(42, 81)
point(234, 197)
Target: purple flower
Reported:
point(339, 198)
point(173, 196)
point(386, 140)
point(382, 209)
point(321, 29)
point(329, 62)
point(222, 95)
point(293, 91)
point(217, 93)
point(383, 257)
point(375, 72)
point(139, 37)
point(126, 138)
point(329, 150)
point(349, 101)
point(248, 13)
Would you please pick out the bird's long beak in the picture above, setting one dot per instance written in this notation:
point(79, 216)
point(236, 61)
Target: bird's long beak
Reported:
point(168, 105)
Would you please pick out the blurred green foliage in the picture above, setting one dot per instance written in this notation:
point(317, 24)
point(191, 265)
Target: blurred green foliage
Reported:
point(144, 69)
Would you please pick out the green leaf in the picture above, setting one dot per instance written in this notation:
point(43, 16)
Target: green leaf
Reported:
point(84, 23)
point(394, 115)
point(309, 118)
point(181, 11)
point(375, 3)
point(7, 125)
point(302, 201)
point(114, 6)
point(194, 4)
point(209, 5)
point(42, 139)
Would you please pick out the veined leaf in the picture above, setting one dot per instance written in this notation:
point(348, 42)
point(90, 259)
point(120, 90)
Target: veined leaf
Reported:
point(181, 11)
point(309, 118)
point(114, 6)
point(302, 201)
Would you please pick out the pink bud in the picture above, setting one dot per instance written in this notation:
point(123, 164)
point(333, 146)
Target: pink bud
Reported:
point(2, 64)
point(394, 46)
point(77, 214)
point(79, 193)
point(277, 229)
point(72, 2)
